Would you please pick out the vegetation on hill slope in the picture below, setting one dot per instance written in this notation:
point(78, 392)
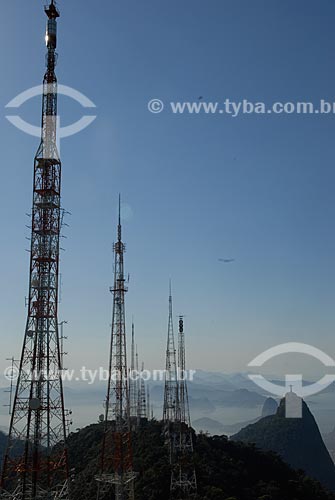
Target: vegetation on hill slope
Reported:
point(226, 470)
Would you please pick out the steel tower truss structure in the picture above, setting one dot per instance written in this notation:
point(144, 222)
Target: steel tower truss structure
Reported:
point(183, 477)
point(133, 382)
point(116, 478)
point(142, 399)
point(39, 421)
point(171, 396)
point(171, 409)
point(148, 403)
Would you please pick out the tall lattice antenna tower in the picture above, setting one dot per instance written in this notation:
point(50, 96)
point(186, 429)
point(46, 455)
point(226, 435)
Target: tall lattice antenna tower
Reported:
point(171, 410)
point(185, 416)
point(148, 403)
point(142, 398)
point(133, 385)
point(38, 419)
point(116, 478)
point(183, 479)
point(171, 396)
point(137, 387)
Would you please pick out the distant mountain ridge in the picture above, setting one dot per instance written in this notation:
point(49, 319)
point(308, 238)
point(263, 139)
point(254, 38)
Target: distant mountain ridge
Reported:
point(238, 398)
point(213, 426)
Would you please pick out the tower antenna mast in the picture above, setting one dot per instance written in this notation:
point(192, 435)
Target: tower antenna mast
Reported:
point(171, 396)
point(133, 379)
point(171, 409)
point(116, 472)
point(39, 420)
point(183, 477)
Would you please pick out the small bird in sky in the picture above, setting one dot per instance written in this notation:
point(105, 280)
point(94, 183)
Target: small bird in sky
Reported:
point(200, 97)
point(226, 261)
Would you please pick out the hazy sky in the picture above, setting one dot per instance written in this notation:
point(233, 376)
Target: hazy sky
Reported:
point(195, 188)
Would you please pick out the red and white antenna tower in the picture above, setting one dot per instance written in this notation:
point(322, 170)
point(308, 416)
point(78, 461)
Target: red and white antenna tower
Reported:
point(116, 474)
point(38, 421)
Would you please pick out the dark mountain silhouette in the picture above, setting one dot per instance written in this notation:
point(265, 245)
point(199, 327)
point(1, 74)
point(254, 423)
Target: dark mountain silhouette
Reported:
point(270, 407)
point(297, 440)
point(329, 440)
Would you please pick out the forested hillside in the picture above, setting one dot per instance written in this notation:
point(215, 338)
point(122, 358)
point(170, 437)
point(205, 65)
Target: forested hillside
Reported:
point(226, 470)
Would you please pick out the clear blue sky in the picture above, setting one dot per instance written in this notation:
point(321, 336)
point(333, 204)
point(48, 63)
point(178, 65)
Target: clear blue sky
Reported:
point(197, 188)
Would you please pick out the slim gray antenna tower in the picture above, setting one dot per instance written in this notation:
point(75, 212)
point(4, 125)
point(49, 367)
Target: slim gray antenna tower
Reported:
point(142, 402)
point(116, 471)
point(171, 396)
point(183, 477)
point(133, 382)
